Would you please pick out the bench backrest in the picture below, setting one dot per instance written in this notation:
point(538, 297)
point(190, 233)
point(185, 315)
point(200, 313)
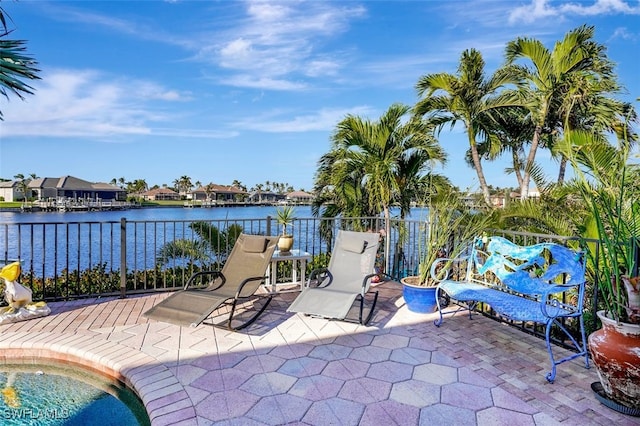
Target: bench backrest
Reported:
point(528, 270)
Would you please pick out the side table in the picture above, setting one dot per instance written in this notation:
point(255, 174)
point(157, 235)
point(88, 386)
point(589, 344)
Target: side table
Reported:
point(298, 258)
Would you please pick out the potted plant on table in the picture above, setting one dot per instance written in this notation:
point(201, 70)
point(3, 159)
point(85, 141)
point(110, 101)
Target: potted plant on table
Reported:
point(608, 185)
point(449, 229)
point(284, 216)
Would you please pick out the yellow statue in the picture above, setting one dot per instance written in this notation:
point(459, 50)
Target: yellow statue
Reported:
point(21, 306)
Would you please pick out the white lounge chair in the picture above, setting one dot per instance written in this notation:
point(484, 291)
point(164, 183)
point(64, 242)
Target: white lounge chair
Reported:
point(347, 277)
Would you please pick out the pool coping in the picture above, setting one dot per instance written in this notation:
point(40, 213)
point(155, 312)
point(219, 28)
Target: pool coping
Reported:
point(163, 396)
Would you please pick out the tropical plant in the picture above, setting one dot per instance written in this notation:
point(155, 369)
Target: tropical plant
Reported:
point(284, 216)
point(466, 97)
point(550, 85)
point(373, 164)
point(607, 182)
point(450, 228)
point(211, 245)
point(15, 65)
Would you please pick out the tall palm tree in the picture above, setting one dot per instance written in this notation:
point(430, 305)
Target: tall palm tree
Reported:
point(15, 65)
point(465, 97)
point(546, 84)
point(371, 164)
point(513, 129)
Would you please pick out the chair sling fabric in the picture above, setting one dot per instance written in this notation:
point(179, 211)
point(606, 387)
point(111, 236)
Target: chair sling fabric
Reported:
point(241, 276)
point(350, 270)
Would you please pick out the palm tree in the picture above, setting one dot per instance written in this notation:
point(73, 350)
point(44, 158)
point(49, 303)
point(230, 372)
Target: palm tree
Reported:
point(208, 190)
point(547, 84)
point(259, 191)
point(15, 65)
point(23, 186)
point(210, 245)
point(465, 97)
point(513, 129)
point(371, 164)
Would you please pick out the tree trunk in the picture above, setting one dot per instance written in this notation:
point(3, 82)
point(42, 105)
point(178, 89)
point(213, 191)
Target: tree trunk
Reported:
point(563, 169)
point(524, 188)
point(517, 168)
point(478, 166)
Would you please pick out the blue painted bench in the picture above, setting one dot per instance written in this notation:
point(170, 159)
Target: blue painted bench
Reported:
point(541, 283)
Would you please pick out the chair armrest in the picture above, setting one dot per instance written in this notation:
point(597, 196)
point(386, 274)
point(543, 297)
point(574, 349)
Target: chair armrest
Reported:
point(214, 274)
point(320, 275)
point(247, 281)
point(447, 261)
point(366, 282)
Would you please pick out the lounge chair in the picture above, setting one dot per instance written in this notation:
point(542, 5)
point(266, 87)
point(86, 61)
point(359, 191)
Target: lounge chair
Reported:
point(241, 276)
point(348, 276)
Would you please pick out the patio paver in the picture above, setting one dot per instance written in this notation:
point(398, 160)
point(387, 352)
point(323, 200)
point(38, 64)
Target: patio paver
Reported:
point(287, 368)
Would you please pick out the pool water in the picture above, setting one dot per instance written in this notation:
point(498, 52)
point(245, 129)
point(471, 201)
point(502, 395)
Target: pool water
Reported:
point(64, 395)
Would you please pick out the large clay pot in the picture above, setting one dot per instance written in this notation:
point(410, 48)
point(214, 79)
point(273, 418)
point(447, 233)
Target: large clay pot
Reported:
point(419, 299)
point(615, 350)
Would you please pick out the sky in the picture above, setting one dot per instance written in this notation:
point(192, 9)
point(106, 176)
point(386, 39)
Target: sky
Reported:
point(252, 90)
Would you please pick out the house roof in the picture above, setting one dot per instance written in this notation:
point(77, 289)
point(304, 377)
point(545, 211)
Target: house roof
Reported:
point(220, 189)
point(299, 194)
point(72, 183)
point(9, 184)
point(156, 191)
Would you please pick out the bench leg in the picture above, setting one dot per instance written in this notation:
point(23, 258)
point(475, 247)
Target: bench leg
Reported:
point(582, 348)
point(438, 322)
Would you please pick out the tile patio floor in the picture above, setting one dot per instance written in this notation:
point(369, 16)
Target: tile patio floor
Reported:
point(292, 369)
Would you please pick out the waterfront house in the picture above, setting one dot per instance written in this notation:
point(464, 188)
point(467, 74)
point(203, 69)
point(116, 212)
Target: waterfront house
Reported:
point(211, 192)
point(299, 197)
point(70, 187)
point(10, 191)
point(158, 194)
point(264, 197)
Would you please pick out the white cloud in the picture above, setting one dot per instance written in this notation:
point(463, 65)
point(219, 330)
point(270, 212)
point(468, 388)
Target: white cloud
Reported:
point(623, 33)
point(77, 103)
point(323, 120)
point(255, 82)
point(540, 9)
point(278, 42)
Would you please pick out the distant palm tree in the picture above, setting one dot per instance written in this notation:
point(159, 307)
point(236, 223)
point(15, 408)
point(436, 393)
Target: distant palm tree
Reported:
point(208, 190)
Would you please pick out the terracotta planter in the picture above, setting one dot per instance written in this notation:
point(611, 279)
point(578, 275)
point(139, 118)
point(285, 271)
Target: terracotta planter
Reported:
point(615, 350)
point(285, 243)
point(419, 299)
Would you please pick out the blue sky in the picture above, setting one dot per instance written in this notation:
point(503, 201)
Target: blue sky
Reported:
point(252, 90)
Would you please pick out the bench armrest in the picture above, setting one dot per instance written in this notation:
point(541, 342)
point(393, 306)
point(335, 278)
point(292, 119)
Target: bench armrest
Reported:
point(552, 307)
point(446, 263)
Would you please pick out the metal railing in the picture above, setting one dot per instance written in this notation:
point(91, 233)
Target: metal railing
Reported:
point(67, 260)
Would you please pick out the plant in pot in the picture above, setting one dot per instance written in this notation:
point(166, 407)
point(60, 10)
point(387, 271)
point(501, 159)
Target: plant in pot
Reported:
point(449, 229)
point(608, 185)
point(284, 216)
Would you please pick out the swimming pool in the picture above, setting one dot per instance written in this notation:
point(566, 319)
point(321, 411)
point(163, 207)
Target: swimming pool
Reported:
point(58, 394)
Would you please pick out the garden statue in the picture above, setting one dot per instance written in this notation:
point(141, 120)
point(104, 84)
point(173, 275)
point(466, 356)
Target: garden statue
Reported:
point(18, 297)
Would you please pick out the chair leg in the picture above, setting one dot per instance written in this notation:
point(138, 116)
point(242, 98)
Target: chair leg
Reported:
point(373, 306)
point(250, 320)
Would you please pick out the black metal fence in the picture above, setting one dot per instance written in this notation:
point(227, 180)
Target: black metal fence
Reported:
point(62, 261)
